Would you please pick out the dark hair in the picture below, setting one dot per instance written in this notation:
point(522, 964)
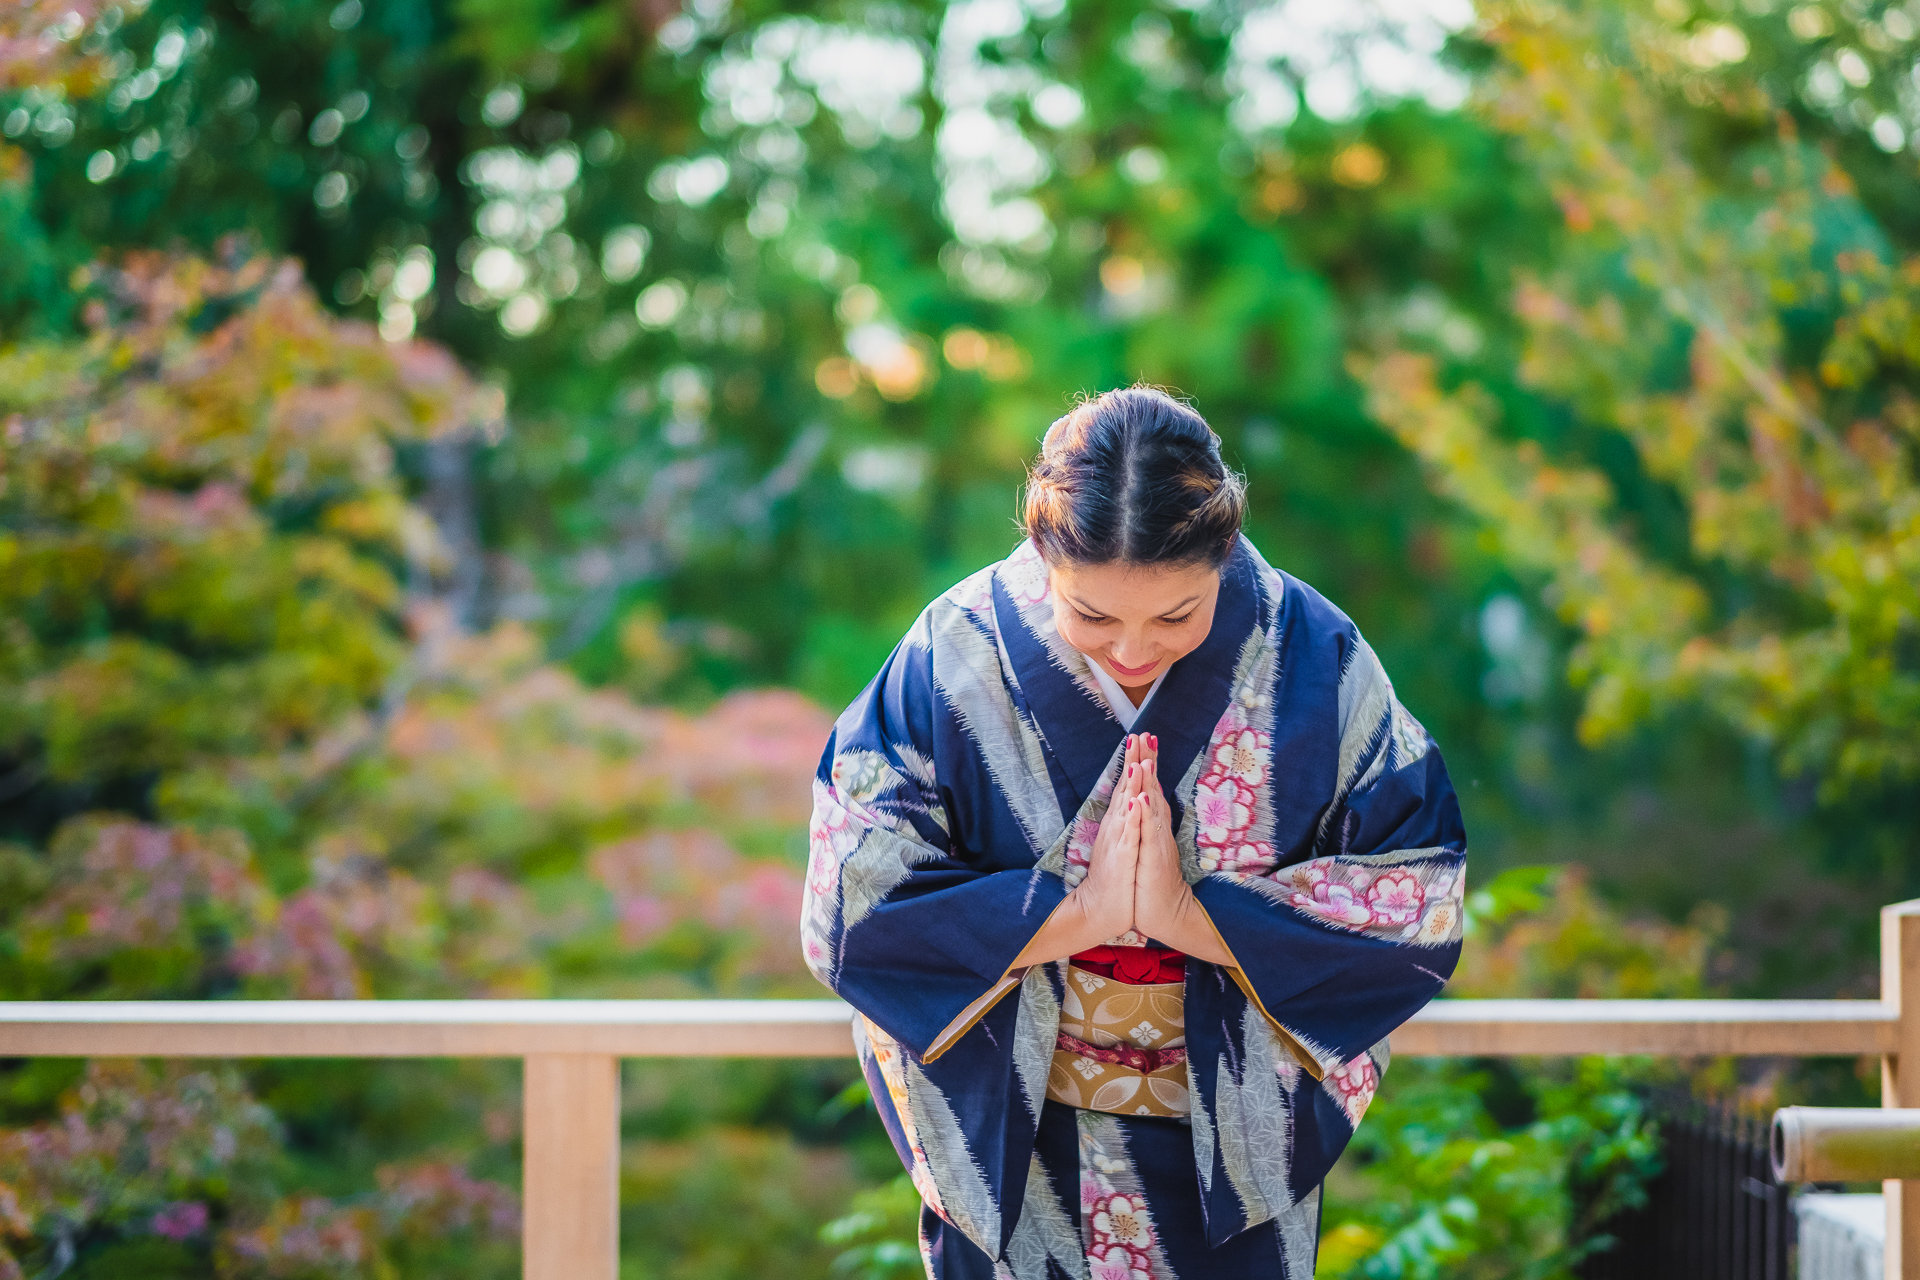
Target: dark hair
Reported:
point(1133, 475)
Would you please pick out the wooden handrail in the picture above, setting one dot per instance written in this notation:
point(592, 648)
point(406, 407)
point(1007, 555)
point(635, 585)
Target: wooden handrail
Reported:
point(426, 1028)
point(572, 1048)
point(819, 1028)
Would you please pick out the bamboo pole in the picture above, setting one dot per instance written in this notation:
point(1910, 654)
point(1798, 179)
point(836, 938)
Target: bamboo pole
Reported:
point(1900, 1074)
point(570, 1187)
point(1845, 1144)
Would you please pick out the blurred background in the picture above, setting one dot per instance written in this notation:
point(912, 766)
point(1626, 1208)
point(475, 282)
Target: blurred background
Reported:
point(456, 456)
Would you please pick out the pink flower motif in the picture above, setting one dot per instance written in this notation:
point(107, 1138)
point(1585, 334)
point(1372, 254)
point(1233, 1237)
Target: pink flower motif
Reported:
point(835, 826)
point(1242, 754)
point(823, 866)
point(1080, 843)
point(1355, 1077)
point(1026, 577)
point(1255, 858)
point(1316, 893)
point(1396, 898)
point(1116, 1263)
point(1353, 1085)
point(822, 874)
point(975, 594)
point(1123, 1219)
point(1090, 1192)
point(1222, 810)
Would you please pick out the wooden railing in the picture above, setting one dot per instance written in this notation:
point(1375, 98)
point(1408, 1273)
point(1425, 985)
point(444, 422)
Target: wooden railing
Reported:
point(572, 1049)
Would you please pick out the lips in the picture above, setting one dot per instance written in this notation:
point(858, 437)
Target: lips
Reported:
point(1131, 671)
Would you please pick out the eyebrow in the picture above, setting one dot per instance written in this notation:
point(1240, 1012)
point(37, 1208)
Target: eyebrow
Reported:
point(1190, 600)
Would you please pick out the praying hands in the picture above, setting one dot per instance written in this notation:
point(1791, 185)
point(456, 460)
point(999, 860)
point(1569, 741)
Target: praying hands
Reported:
point(1133, 879)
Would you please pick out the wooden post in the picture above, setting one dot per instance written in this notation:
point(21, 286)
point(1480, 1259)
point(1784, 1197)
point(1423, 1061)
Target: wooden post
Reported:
point(570, 1192)
point(1900, 1074)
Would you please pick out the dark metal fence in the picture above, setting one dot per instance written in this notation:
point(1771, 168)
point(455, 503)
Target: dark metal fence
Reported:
point(1713, 1213)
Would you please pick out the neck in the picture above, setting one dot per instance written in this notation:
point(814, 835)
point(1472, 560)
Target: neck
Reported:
point(1136, 693)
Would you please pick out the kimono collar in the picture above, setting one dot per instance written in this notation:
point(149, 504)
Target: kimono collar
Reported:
point(1079, 730)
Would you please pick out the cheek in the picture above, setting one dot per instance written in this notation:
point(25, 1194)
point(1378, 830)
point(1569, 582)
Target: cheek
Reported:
point(1189, 637)
point(1073, 633)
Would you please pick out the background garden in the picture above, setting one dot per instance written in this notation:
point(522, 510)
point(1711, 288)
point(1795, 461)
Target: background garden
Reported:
point(456, 456)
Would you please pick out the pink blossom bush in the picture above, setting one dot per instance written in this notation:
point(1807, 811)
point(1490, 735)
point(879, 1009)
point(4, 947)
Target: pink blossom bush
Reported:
point(332, 791)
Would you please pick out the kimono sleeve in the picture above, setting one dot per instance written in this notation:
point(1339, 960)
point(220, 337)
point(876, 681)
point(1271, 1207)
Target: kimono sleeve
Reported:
point(1340, 949)
point(901, 918)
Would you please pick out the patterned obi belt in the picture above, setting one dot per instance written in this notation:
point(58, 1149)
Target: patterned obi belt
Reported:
point(1122, 1041)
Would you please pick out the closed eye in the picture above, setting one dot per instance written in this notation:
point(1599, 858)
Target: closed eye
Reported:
point(1174, 622)
point(1093, 618)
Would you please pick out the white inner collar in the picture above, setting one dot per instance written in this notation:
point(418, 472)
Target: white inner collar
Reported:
point(1122, 706)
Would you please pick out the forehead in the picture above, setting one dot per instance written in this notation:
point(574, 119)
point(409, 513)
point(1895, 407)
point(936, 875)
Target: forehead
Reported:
point(1126, 590)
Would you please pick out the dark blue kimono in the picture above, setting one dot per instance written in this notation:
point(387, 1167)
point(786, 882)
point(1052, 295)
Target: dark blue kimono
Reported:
point(954, 809)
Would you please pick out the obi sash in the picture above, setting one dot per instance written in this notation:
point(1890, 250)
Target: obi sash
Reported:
point(955, 808)
point(1121, 1046)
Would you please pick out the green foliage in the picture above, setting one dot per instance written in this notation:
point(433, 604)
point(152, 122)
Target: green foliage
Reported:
point(1443, 1188)
point(878, 1235)
point(1503, 1169)
point(222, 624)
point(757, 349)
point(730, 1202)
point(200, 526)
point(142, 1164)
point(1729, 308)
point(824, 417)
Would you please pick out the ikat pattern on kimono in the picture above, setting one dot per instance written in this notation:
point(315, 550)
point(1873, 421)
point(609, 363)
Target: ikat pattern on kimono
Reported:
point(955, 808)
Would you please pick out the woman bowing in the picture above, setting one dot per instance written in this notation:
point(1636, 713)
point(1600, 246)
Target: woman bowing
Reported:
point(1129, 860)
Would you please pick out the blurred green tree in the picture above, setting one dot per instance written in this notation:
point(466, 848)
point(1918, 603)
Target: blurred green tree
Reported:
point(246, 752)
point(763, 310)
point(706, 253)
point(1731, 322)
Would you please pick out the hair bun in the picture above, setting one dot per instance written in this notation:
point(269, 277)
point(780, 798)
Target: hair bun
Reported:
point(1133, 475)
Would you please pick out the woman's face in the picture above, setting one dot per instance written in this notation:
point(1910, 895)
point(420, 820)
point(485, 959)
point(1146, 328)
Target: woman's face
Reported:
point(1134, 620)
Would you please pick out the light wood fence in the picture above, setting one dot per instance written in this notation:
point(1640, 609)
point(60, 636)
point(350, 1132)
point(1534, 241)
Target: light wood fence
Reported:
point(572, 1049)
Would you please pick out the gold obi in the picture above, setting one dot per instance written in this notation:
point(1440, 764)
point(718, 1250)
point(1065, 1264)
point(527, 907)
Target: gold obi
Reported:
point(1122, 1047)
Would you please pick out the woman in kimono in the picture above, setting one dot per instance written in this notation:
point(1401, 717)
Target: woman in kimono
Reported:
point(1129, 860)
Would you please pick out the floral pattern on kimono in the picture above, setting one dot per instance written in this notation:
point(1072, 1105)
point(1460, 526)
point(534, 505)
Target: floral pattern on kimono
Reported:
point(955, 808)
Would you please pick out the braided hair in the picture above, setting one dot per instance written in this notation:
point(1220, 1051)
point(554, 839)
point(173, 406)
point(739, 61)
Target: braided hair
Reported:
point(1135, 476)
